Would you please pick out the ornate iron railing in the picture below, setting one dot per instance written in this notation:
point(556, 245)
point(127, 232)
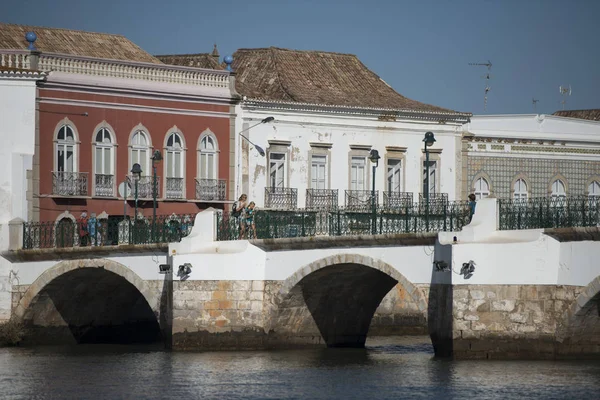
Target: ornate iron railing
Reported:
point(549, 212)
point(346, 222)
point(321, 199)
point(211, 189)
point(144, 186)
point(174, 188)
point(106, 232)
point(283, 198)
point(104, 185)
point(360, 200)
point(69, 183)
point(396, 200)
point(434, 197)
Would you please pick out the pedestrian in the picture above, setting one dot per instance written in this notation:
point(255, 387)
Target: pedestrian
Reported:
point(237, 213)
point(249, 218)
point(472, 204)
point(84, 235)
point(92, 229)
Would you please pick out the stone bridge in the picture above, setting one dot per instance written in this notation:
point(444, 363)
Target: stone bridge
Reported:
point(532, 294)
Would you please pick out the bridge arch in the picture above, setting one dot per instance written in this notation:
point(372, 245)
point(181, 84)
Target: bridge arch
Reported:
point(117, 283)
point(333, 299)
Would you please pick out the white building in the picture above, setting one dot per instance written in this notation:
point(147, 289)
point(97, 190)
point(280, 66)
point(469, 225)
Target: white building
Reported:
point(329, 112)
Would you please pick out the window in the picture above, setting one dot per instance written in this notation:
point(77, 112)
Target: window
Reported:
point(432, 177)
point(65, 150)
point(318, 173)
point(520, 190)
point(140, 151)
point(174, 159)
point(357, 173)
point(481, 189)
point(394, 175)
point(104, 153)
point(208, 158)
point(594, 189)
point(277, 170)
point(558, 189)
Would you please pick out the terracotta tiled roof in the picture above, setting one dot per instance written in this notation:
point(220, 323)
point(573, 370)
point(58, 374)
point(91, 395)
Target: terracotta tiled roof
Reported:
point(201, 60)
point(77, 43)
point(316, 77)
point(592, 114)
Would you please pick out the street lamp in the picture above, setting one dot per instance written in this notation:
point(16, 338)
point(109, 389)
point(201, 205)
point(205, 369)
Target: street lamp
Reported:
point(156, 157)
point(260, 150)
point(428, 141)
point(136, 172)
point(374, 157)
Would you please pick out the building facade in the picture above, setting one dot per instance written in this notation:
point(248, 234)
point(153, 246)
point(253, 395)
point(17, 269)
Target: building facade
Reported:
point(105, 105)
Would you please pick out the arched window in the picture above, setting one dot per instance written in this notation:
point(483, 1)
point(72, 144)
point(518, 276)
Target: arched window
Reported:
point(520, 190)
point(594, 189)
point(558, 189)
point(103, 163)
point(140, 151)
point(207, 163)
point(174, 166)
point(481, 189)
point(65, 150)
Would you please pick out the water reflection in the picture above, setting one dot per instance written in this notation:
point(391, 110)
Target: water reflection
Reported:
point(388, 368)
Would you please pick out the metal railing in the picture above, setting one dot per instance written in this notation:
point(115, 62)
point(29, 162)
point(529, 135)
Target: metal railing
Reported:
point(106, 232)
point(211, 189)
point(396, 200)
point(144, 186)
point(360, 200)
point(321, 199)
point(434, 197)
point(412, 218)
point(174, 189)
point(104, 185)
point(549, 212)
point(282, 198)
point(69, 183)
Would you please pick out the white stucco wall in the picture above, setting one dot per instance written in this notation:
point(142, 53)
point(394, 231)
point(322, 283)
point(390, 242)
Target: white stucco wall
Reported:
point(342, 131)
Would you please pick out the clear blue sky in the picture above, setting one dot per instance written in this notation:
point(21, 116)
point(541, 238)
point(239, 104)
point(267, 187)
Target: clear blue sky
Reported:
point(420, 47)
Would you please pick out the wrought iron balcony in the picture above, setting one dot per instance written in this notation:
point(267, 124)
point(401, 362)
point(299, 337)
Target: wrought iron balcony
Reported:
point(144, 186)
point(211, 189)
point(360, 200)
point(281, 198)
point(397, 200)
point(69, 183)
point(321, 199)
point(175, 188)
point(434, 197)
point(104, 185)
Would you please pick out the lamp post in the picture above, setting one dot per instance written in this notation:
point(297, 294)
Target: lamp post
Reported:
point(136, 172)
point(156, 157)
point(259, 149)
point(374, 157)
point(428, 141)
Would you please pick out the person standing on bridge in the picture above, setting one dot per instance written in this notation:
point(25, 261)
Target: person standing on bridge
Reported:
point(238, 211)
point(84, 235)
point(472, 204)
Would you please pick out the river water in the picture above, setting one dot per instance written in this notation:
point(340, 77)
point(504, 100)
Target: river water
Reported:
point(389, 368)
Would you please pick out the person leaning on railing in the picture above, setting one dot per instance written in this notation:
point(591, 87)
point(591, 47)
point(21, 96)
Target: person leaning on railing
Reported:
point(238, 211)
point(472, 205)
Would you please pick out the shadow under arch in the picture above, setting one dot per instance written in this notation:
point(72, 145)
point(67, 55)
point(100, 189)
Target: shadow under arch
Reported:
point(90, 301)
point(332, 300)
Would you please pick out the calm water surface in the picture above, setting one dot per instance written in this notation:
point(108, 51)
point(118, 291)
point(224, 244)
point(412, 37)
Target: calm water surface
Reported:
point(390, 368)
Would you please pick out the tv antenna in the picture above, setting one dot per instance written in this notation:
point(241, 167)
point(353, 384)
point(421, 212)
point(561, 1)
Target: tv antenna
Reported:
point(534, 101)
point(487, 78)
point(564, 92)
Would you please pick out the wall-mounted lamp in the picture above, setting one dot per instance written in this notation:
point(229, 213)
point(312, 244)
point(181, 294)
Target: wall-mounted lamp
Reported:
point(164, 268)
point(441, 266)
point(184, 271)
point(468, 269)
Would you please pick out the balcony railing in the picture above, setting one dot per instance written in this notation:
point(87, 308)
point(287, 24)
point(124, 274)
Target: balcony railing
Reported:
point(412, 218)
point(69, 183)
point(106, 232)
point(174, 188)
point(211, 189)
point(282, 198)
point(321, 199)
point(104, 185)
point(549, 212)
point(360, 200)
point(397, 200)
point(144, 186)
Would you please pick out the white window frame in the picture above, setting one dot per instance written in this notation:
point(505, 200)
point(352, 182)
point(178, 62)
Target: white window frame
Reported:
point(65, 144)
point(318, 171)
point(280, 165)
point(557, 186)
point(433, 172)
point(205, 154)
point(394, 179)
point(479, 190)
point(356, 164)
point(520, 189)
point(137, 148)
point(171, 152)
point(105, 148)
point(594, 189)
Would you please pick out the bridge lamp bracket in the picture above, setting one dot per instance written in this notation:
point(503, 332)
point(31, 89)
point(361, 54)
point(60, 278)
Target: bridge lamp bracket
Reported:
point(164, 268)
point(184, 271)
